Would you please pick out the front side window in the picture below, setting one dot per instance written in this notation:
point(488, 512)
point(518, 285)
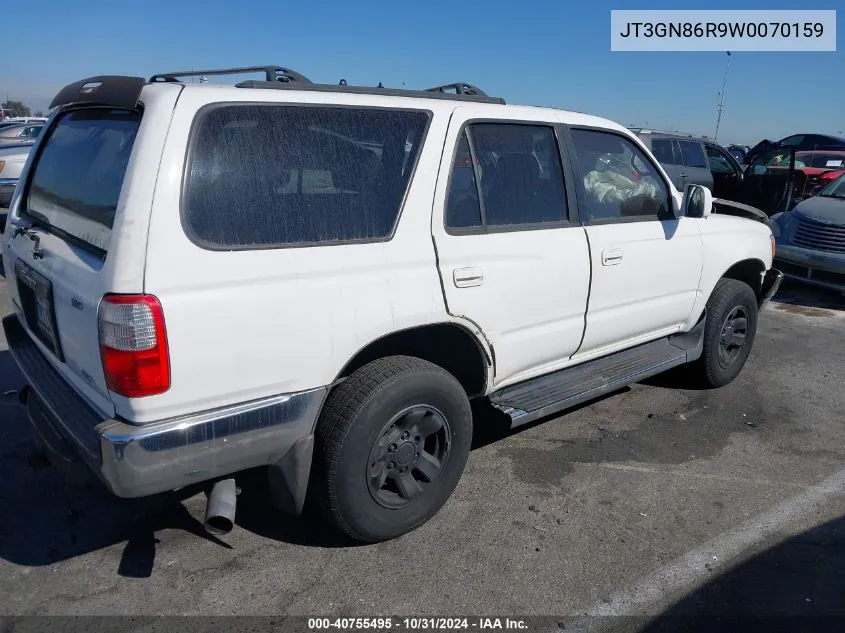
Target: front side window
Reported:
point(692, 154)
point(276, 175)
point(506, 175)
point(620, 181)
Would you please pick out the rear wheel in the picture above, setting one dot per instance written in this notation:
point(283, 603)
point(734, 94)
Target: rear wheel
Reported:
point(728, 333)
point(391, 444)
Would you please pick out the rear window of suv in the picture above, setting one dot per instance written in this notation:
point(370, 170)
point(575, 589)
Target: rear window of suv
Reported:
point(264, 176)
point(79, 173)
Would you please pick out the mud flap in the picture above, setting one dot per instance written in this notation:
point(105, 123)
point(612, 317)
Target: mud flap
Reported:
point(288, 477)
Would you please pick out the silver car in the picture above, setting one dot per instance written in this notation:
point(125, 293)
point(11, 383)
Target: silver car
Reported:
point(811, 238)
point(12, 134)
point(12, 158)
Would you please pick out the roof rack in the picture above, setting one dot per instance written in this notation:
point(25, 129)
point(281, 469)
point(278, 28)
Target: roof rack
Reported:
point(272, 73)
point(279, 77)
point(459, 89)
point(467, 94)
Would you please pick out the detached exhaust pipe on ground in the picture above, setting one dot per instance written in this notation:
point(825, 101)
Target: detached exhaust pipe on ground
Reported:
point(220, 511)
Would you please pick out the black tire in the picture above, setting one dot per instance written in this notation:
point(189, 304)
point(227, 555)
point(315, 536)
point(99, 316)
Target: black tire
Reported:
point(359, 424)
point(731, 311)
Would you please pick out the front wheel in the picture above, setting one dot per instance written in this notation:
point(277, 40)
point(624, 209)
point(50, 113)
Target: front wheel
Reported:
point(391, 444)
point(728, 332)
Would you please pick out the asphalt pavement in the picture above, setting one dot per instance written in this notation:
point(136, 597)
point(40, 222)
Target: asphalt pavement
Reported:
point(657, 501)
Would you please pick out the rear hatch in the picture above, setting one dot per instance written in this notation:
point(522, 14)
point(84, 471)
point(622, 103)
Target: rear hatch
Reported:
point(57, 249)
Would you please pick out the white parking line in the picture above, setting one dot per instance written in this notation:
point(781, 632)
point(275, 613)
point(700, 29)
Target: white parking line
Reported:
point(683, 573)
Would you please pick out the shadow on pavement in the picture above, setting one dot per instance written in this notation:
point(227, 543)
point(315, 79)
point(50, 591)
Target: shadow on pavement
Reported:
point(793, 293)
point(797, 585)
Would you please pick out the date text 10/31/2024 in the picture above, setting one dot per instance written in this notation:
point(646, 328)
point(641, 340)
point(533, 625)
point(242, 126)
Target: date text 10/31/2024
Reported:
point(416, 624)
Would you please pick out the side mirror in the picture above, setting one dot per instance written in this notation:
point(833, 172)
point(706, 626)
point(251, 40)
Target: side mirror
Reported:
point(697, 202)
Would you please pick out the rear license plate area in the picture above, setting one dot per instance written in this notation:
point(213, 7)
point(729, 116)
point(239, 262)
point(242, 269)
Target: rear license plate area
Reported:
point(36, 297)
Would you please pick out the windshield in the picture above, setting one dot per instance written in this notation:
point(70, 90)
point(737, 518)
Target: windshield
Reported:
point(78, 176)
point(836, 189)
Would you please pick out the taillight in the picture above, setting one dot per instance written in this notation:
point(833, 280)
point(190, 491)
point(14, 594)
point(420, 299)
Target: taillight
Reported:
point(133, 345)
point(2, 164)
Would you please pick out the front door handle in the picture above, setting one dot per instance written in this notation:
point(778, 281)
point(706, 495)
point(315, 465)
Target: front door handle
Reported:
point(611, 257)
point(466, 277)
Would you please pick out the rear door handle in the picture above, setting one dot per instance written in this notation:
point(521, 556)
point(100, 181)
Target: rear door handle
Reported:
point(466, 277)
point(611, 257)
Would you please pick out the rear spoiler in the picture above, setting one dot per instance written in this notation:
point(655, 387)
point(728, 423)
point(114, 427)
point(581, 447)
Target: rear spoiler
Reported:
point(107, 90)
point(728, 207)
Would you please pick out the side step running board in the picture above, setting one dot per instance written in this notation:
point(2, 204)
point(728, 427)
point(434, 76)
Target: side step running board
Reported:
point(545, 395)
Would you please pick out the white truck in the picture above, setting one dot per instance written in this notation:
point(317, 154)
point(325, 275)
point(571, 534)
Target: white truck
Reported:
point(316, 279)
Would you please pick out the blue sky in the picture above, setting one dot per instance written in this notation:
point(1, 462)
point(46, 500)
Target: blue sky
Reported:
point(554, 53)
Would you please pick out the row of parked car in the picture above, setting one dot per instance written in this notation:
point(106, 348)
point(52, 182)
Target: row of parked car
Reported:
point(798, 183)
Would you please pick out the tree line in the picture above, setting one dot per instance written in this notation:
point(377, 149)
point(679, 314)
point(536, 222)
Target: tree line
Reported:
point(19, 108)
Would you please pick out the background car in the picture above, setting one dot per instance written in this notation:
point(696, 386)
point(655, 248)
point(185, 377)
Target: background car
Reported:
point(691, 160)
point(811, 238)
point(799, 142)
point(12, 159)
point(819, 168)
point(739, 152)
point(13, 134)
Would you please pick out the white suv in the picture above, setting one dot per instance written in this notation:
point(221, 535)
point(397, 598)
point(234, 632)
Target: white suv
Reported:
point(316, 279)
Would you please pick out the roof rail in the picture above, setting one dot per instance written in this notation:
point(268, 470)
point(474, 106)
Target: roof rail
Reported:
point(272, 73)
point(459, 89)
point(432, 93)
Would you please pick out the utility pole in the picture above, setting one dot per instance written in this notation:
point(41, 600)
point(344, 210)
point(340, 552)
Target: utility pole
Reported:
point(721, 107)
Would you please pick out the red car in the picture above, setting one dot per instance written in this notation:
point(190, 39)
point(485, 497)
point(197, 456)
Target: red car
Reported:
point(820, 168)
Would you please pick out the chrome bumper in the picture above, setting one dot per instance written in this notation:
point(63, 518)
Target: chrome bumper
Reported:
point(140, 460)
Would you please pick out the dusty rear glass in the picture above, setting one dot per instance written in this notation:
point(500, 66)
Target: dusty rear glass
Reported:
point(79, 174)
point(273, 175)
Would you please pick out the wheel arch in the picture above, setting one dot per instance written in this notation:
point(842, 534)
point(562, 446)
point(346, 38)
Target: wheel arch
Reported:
point(749, 271)
point(449, 345)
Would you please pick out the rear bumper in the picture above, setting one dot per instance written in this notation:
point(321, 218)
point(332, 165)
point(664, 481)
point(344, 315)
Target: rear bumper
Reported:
point(771, 284)
point(140, 460)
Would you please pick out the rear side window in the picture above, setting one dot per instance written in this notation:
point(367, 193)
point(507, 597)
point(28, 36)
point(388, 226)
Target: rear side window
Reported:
point(262, 176)
point(662, 150)
point(79, 173)
point(512, 177)
point(692, 154)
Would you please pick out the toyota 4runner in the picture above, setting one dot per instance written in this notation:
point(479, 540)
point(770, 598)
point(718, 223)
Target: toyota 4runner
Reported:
point(315, 280)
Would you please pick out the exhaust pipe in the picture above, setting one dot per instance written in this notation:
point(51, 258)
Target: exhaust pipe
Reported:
point(220, 511)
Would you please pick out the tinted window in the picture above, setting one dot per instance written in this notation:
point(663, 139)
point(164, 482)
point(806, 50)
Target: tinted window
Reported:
point(619, 179)
point(793, 141)
point(719, 163)
point(662, 150)
point(79, 174)
point(462, 207)
point(274, 175)
point(692, 154)
point(521, 177)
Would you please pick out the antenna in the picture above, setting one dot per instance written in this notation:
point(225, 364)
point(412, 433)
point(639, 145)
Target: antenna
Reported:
point(721, 106)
